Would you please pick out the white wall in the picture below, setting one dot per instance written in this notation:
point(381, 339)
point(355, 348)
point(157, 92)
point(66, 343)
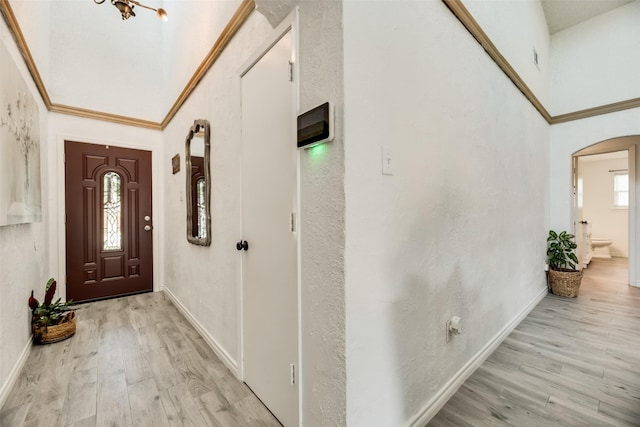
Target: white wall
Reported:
point(187, 37)
point(461, 226)
point(516, 28)
point(35, 23)
point(606, 221)
point(595, 63)
point(322, 217)
point(206, 279)
point(567, 139)
point(23, 253)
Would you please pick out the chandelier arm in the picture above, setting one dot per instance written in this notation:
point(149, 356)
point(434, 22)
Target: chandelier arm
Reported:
point(98, 2)
point(141, 5)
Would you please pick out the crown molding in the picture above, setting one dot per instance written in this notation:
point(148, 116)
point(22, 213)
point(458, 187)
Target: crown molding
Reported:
point(106, 117)
point(234, 24)
point(464, 16)
point(596, 111)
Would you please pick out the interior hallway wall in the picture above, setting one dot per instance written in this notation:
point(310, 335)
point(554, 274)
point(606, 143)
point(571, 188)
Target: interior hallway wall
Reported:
point(598, 54)
point(458, 229)
point(500, 21)
point(24, 250)
point(206, 280)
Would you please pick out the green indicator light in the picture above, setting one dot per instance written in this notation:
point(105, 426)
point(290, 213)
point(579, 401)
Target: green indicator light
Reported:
point(317, 151)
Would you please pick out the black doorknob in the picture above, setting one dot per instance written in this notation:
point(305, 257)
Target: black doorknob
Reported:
point(242, 244)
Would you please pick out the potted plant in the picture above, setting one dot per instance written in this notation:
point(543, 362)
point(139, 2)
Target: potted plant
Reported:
point(564, 278)
point(51, 321)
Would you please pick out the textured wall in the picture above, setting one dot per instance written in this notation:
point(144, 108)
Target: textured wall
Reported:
point(502, 21)
point(206, 279)
point(460, 227)
point(187, 37)
point(598, 54)
point(322, 204)
point(23, 251)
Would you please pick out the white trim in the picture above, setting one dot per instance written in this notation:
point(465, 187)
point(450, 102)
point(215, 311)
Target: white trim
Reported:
point(15, 372)
point(631, 161)
point(431, 408)
point(222, 354)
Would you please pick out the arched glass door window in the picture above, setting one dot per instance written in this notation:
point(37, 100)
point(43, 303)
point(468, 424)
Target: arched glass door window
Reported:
point(112, 212)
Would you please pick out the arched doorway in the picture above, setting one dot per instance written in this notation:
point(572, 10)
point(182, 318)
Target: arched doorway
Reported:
point(604, 203)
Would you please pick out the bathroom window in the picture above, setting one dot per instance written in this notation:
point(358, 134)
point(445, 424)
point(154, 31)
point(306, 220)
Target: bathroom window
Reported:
point(621, 190)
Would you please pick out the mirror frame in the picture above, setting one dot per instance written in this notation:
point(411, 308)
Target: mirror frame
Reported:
point(199, 124)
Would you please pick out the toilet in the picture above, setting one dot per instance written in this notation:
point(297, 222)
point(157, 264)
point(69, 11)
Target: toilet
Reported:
point(601, 247)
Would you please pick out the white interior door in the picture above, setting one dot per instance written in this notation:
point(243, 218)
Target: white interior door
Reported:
point(269, 265)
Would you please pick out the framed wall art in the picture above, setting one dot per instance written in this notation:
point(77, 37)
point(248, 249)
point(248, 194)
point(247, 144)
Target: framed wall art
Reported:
point(20, 188)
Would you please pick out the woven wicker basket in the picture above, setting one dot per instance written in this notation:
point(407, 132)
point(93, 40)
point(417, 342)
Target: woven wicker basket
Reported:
point(565, 283)
point(55, 333)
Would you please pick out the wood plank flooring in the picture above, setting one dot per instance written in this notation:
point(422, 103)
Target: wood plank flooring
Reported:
point(571, 362)
point(134, 361)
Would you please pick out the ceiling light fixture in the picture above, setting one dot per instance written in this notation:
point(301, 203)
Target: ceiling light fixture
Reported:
point(126, 8)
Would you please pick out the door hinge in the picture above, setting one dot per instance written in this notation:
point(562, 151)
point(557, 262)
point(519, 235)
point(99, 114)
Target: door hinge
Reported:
point(293, 222)
point(293, 374)
point(290, 71)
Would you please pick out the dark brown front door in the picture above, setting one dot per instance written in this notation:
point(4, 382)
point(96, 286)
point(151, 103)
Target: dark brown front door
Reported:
point(108, 221)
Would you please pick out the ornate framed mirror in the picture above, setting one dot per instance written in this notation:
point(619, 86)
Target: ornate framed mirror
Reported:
point(197, 147)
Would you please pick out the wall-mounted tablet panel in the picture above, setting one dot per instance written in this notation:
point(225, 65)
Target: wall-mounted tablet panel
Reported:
point(316, 126)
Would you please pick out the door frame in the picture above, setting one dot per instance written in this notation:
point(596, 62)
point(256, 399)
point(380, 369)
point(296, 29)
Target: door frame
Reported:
point(288, 24)
point(631, 223)
point(59, 248)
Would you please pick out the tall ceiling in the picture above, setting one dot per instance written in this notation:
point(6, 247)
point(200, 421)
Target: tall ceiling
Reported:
point(562, 14)
point(89, 58)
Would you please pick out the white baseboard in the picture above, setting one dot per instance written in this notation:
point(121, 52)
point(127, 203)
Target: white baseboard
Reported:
point(15, 372)
point(229, 361)
point(431, 408)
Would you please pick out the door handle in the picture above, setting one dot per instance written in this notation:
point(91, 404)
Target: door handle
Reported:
point(147, 228)
point(242, 244)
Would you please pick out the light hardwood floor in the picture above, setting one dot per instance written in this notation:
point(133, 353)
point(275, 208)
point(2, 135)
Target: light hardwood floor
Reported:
point(134, 361)
point(571, 362)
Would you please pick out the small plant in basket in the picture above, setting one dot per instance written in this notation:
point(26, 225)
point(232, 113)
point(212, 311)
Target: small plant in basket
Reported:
point(564, 278)
point(560, 251)
point(51, 321)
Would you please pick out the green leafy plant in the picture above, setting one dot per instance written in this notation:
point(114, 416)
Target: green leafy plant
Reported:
point(49, 313)
point(561, 251)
